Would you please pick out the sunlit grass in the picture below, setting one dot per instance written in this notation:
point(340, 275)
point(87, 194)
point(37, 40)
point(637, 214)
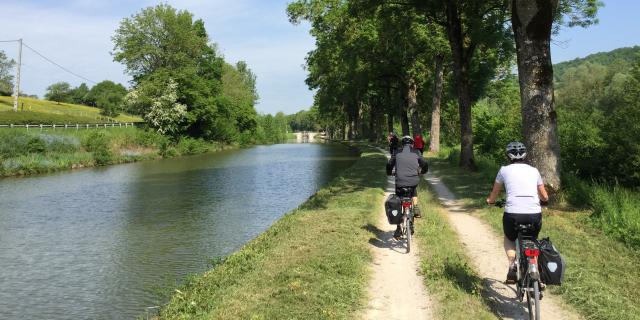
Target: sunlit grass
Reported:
point(39, 111)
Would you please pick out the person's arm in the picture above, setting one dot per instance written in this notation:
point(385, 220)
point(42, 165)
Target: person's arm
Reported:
point(390, 164)
point(423, 165)
point(542, 193)
point(497, 187)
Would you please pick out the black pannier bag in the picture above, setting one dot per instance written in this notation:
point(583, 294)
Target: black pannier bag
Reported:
point(550, 263)
point(393, 208)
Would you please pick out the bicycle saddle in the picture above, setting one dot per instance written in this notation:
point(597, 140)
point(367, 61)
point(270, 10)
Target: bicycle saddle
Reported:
point(524, 228)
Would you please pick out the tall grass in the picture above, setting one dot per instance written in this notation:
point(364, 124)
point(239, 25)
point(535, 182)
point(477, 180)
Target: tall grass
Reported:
point(617, 211)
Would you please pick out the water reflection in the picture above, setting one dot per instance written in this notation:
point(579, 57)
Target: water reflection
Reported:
point(97, 243)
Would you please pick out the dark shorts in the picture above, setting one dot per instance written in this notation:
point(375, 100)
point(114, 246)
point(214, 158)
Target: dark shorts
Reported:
point(510, 220)
point(407, 191)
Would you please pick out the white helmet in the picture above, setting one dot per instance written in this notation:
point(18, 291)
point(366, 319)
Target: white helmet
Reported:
point(516, 150)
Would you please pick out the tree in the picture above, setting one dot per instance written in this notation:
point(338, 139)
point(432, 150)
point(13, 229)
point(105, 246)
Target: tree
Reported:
point(6, 78)
point(106, 95)
point(165, 114)
point(161, 43)
point(59, 92)
point(434, 133)
point(532, 24)
point(78, 96)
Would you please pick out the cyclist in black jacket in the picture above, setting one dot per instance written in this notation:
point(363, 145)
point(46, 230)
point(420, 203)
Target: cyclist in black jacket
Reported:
point(409, 166)
point(393, 143)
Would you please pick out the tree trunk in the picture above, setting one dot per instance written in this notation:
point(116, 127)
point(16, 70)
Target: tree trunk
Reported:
point(412, 107)
point(531, 22)
point(404, 120)
point(390, 122)
point(461, 58)
point(434, 135)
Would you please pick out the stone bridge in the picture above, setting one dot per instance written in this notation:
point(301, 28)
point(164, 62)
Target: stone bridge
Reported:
point(306, 136)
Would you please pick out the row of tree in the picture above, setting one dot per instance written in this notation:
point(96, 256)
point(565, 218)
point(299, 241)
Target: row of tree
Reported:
point(377, 62)
point(106, 95)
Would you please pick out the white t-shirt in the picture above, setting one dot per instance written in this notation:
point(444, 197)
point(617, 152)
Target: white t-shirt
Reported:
point(521, 182)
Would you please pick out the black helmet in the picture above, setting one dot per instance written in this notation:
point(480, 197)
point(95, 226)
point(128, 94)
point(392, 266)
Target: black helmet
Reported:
point(407, 140)
point(516, 150)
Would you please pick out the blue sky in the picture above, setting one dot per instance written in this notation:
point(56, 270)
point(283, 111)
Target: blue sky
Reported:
point(76, 34)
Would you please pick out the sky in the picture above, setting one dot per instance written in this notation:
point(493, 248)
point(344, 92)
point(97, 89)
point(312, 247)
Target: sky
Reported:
point(77, 35)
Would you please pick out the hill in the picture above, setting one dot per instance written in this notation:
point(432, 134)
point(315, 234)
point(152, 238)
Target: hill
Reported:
point(621, 56)
point(35, 111)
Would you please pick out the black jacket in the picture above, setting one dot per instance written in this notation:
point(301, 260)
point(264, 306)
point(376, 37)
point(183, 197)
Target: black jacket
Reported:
point(409, 164)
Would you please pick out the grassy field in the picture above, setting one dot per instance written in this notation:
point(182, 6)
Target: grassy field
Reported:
point(25, 152)
point(35, 111)
point(311, 264)
point(602, 273)
point(448, 276)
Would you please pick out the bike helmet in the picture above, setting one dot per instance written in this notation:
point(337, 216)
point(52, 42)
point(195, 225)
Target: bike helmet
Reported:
point(407, 140)
point(516, 150)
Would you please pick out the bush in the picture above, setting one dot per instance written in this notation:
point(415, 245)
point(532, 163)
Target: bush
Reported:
point(190, 146)
point(36, 145)
point(167, 150)
point(97, 142)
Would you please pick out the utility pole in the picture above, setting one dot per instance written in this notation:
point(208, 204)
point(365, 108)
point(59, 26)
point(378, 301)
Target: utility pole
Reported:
point(16, 93)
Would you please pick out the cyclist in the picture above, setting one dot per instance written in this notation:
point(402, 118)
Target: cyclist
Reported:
point(409, 165)
point(525, 191)
point(418, 143)
point(393, 143)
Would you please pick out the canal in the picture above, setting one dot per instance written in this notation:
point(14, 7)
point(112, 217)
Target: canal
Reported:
point(105, 243)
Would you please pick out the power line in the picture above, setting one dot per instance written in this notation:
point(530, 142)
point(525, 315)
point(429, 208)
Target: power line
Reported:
point(56, 64)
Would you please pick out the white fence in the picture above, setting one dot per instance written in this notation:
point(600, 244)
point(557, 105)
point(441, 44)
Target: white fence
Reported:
point(76, 126)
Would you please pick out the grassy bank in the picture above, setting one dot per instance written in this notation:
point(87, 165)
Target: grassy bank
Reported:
point(25, 152)
point(35, 111)
point(602, 273)
point(310, 264)
point(448, 276)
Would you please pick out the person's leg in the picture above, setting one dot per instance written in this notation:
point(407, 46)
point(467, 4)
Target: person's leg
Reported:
point(398, 233)
point(510, 250)
point(508, 223)
point(414, 197)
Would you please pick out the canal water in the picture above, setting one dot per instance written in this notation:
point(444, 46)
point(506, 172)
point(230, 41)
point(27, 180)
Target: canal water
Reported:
point(105, 243)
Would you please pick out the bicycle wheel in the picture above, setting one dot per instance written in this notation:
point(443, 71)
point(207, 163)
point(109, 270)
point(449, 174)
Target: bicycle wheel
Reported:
point(533, 301)
point(407, 229)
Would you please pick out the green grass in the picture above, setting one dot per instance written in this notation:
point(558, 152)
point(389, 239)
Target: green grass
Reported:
point(311, 264)
point(39, 111)
point(36, 118)
point(448, 276)
point(602, 273)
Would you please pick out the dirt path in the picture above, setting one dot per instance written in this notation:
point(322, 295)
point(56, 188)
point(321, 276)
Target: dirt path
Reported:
point(396, 290)
point(487, 255)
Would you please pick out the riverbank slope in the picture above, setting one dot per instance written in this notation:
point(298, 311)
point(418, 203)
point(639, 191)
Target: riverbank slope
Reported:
point(25, 152)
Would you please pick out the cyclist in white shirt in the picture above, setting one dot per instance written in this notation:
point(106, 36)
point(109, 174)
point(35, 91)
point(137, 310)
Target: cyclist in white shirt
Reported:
point(525, 190)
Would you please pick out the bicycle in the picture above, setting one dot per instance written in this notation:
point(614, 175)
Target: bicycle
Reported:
point(528, 281)
point(407, 220)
